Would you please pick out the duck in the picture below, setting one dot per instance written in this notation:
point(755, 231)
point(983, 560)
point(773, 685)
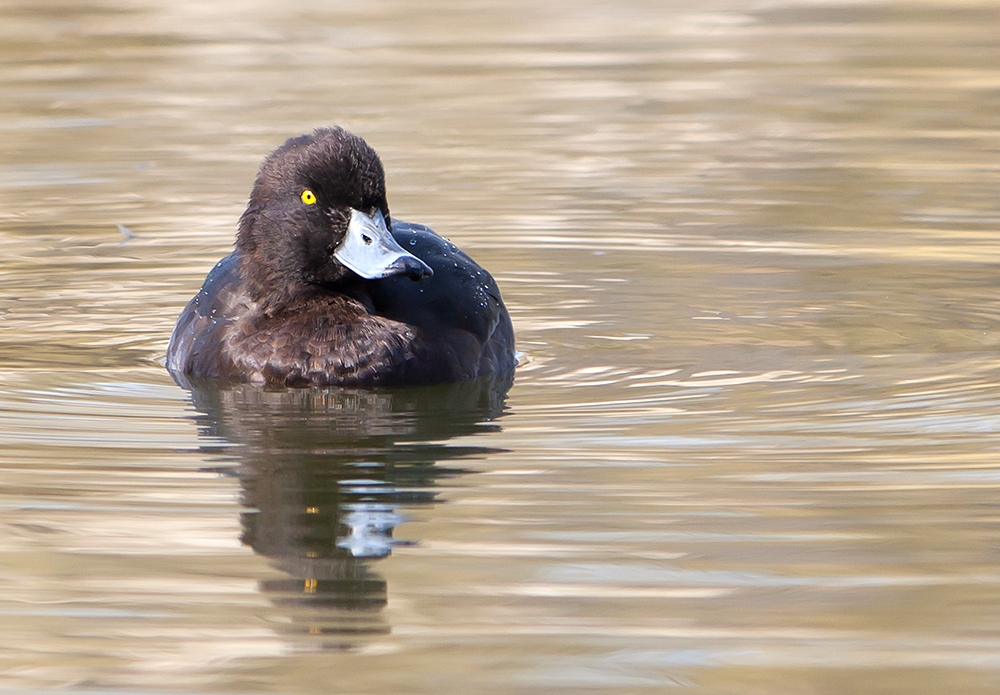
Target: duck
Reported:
point(325, 288)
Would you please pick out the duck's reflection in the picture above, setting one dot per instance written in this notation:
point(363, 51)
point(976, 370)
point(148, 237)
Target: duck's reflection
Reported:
point(324, 474)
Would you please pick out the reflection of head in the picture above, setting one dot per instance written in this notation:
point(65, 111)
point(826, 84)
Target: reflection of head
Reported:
point(324, 471)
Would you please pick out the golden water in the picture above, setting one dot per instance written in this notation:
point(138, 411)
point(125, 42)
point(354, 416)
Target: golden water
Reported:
point(750, 250)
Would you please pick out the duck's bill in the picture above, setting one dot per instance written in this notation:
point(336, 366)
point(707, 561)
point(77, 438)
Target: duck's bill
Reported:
point(370, 250)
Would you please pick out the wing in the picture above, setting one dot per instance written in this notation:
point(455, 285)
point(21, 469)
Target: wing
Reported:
point(459, 307)
point(195, 345)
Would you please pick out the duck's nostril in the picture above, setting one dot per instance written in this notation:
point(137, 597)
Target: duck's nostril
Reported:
point(367, 239)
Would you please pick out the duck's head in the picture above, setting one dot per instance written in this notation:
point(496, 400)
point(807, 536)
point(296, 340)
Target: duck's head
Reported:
point(318, 217)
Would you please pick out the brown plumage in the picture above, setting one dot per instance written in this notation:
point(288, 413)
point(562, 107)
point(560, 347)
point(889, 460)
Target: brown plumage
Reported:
point(284, 308)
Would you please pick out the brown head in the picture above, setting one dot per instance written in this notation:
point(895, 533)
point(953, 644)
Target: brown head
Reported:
point(318, 217)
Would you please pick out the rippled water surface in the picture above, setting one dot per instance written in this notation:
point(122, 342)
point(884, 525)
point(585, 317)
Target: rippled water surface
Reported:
point(750, 250)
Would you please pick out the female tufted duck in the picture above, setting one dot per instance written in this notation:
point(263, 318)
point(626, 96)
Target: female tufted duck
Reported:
point(324, 288)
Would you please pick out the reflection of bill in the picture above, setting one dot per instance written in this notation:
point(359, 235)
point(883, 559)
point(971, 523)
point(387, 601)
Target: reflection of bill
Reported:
point(324, 473)
point(371, 524)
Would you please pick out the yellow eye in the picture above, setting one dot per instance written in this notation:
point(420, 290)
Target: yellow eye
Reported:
point(308, 197)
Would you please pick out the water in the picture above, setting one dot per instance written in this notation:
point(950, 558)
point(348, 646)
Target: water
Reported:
point(750, 252)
